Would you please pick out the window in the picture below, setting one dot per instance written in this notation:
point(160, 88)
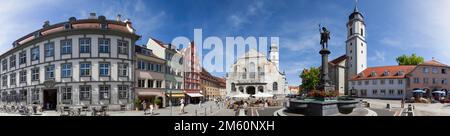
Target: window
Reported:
point(35, 74)
point(351, 31)
point(23, 95)
point(425, 80)
point(382, 81)
point(366, 82)
point(141, 83)
point(85, 93)
point(391, 92)
point(383, 92)
point(49, 49)
point(67, 26)
point(362, 32)
point(123, 69)
point(34, 53)
point(104, 69)
point(399, 92)
point(425, 70)
point(158, 84)
point(103, 45)
point(23, 76)
point(374, 82)
point(434, 81)
point(85, 45)
point(141, 65)
point(374, 92)
point(23, 57)
point(150, 83)
point(275, 86)
point(5, 65)
point(12, 61)
point(66, 70)
point(391, 82)
point(416, 80)
point(444, 71)
point(434, 70)
point(400, 81)
point(104, 25)
point(12, 79)
point(123, 91)
point(66, 46)
point(35, 94)
point(5, 80)
point(123, 46)
point(359, 83)
point(66, 93)
point(50, 72)
point(444, 81)
point(104, 92)
point(85, 69)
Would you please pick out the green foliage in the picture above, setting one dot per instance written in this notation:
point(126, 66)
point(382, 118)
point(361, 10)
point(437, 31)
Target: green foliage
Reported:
point(409, 60)
point(157, 101)
point(310, 79)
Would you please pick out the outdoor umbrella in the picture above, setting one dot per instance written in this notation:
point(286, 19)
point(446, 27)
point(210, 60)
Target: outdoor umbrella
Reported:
point(263, 95)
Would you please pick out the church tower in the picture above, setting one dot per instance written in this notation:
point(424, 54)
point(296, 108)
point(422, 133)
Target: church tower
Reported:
point(356, 47)
point(274, 57)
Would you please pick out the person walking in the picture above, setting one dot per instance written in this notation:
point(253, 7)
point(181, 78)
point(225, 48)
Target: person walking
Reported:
point(151, 109)
point(144, 106)
point(181, 106)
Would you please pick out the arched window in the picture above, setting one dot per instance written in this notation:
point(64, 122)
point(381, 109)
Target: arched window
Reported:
point(362, 32)
point(275, 86)
point(252, 70)
point(244, 74)
point(233, 87)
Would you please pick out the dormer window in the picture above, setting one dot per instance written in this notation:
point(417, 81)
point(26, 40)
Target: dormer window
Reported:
point(373, 74)
point(104, 25)
point(400, 73)
point(67, 26)
point(386, 73)
point(37, 34)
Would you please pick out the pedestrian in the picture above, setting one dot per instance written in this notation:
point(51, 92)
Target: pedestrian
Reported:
point(151, 109)
point(181, 106)
point(144, 106)
point(200, 105)
point(403, 102)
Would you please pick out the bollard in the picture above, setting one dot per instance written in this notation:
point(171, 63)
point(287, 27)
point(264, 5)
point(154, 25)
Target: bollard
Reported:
point(195, 112)
point(210, 109)
point(388, 106)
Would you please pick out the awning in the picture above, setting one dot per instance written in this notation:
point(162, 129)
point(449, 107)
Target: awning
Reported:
point(148, 93)
point(418, 91)
point(175, 95)
point(194, 94)
point(241, 96)
point(263, 95)
point(440, 92)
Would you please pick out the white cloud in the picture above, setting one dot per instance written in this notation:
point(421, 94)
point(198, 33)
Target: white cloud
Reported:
point(380, 56)
point(390, 42)
point(254, 9)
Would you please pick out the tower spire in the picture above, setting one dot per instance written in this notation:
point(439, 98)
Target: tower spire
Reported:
point(356, 6)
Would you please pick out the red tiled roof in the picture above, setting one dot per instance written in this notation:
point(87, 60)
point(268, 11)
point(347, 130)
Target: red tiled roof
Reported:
point(433, 63)
point(393, 72)
point(158, 42)
point(339, 59)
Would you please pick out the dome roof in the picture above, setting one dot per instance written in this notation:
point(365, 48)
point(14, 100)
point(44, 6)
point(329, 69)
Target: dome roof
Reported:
point(356, 14)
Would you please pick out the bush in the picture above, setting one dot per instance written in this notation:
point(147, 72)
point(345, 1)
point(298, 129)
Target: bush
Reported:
point(157, 101)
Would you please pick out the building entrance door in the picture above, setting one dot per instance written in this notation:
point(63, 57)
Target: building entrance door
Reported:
point(50, 99)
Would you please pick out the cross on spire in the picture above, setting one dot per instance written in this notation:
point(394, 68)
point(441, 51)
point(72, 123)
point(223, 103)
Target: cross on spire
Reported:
point(356, 6)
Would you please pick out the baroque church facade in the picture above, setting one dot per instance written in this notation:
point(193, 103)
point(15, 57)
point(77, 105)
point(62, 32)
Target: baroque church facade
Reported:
point(254, 73)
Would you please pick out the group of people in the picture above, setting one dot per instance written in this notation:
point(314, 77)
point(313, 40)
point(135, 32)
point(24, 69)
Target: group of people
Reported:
point(146, 108)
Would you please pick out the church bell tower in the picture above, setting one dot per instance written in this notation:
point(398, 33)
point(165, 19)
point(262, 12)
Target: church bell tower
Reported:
point(356, 47)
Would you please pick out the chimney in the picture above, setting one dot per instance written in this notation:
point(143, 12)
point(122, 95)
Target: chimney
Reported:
point(46, 24)
point(118, 17)
point(92, 15)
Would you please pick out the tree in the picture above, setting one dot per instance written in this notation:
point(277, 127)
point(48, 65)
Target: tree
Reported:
point(310, 79)
point(409, 60)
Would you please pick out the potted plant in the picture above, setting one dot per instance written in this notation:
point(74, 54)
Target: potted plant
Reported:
point(157, 102)
point(137, 103)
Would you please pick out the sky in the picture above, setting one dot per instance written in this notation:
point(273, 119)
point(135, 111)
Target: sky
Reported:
point(394, 27)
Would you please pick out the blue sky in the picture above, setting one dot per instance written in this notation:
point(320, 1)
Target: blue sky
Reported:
point(394, 27)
